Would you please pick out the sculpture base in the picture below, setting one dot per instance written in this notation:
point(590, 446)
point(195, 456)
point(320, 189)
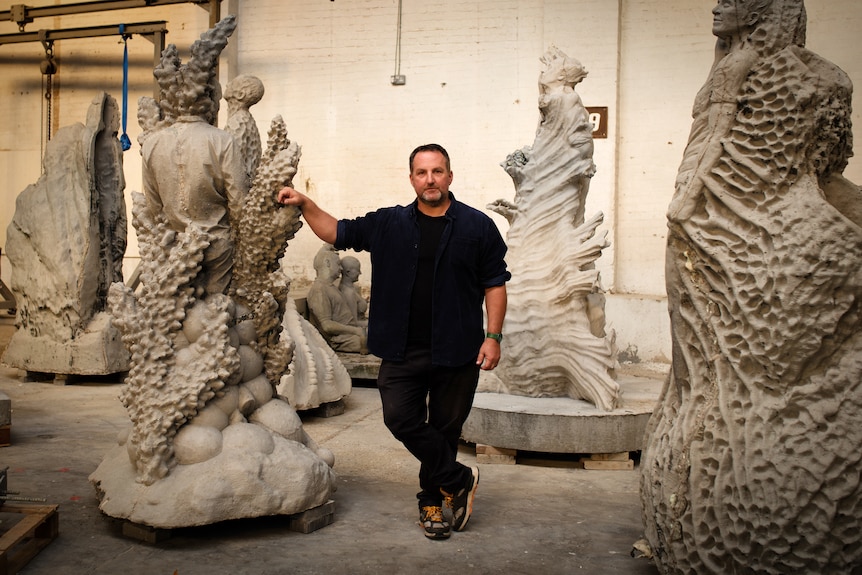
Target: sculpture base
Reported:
point(99, 350)
point(244, 481)
point(360, 366)
point(563, 425)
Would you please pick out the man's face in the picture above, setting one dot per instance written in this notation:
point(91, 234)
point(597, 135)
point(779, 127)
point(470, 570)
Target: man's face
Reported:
point(431, 178)
point(729, 18)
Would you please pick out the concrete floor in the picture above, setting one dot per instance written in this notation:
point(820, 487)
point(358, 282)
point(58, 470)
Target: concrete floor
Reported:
point(543, 515)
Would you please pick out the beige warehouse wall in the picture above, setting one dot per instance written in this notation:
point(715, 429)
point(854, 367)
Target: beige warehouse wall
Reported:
point(86, 67)
point(471, 84)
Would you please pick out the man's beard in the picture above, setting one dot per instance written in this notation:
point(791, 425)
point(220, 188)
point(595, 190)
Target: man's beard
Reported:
point(441, 198)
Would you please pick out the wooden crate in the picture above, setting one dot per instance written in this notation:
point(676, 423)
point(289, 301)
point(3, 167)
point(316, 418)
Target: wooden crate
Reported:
point(39, 526)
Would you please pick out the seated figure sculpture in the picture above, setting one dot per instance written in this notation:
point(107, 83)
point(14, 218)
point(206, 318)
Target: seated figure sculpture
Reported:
point(328, 311)
point(351, 269)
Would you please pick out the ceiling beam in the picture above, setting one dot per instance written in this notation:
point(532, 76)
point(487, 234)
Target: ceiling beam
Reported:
point(23, 14)
point(143, 28)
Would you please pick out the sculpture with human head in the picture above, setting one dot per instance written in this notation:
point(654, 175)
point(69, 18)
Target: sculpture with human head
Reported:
point(329, 311)
point(350, 271)
point(560, 70)
point(764, 250)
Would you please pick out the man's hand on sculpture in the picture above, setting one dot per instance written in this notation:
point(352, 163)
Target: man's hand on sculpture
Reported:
point(290, 197)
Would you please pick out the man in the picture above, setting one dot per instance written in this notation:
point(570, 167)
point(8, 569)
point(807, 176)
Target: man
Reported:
point(434, 262)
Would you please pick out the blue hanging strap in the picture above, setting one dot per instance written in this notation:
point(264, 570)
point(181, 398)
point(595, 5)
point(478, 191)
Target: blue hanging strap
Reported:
point(124, 138)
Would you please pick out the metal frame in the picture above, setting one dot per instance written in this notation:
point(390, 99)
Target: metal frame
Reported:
point(155, 31)
point(23, 14)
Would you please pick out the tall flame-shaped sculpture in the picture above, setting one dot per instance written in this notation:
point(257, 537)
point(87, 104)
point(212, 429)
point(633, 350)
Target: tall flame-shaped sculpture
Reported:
point(556, 345)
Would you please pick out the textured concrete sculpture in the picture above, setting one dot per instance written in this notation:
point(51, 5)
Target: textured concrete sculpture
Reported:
point(329, 311)
point(351, 269)
point(752, 462)
point(66, 244)
point(209, 439)
point(556, 345)
point(242, 93)
point(316, 376)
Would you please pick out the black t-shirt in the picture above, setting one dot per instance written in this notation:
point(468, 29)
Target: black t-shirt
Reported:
point(430, 232)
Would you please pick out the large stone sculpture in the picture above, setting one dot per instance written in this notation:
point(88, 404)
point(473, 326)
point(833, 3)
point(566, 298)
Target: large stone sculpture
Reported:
point(209, 439)
point(556, 345)
point(752, 462)
point(329, 311)
point(66, 244)
point(316, 376)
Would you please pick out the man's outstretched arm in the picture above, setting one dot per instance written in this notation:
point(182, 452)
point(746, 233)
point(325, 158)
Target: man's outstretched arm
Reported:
point(322, 223)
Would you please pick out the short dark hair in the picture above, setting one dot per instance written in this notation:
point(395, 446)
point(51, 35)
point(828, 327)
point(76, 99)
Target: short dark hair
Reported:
point(430, 148)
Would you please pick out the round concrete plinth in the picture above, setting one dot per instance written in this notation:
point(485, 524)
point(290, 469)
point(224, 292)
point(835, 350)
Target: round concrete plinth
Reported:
point(563, 425)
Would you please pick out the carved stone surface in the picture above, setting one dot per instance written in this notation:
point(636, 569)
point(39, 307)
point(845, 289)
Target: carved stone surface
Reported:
point(317, 375)
point(242, 93)
point(329, 311)
point(752, 462)
point(66, 244)
point(210, 440)
point(351, 269)
point(556, 345)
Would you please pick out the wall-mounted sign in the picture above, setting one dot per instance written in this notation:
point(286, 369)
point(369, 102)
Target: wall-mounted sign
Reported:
point(599, 119)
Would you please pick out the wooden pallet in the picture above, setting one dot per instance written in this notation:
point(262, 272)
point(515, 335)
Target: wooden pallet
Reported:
point(39, 526)
point(306, 521)
point(596, 461)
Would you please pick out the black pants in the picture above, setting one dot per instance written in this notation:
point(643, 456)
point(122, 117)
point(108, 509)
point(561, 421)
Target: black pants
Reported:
point(425, 406)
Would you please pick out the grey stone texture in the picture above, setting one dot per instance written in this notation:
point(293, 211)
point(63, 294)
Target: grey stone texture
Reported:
point(556, 344)
point(752, 463)
point(65, 246)
point(209, 440)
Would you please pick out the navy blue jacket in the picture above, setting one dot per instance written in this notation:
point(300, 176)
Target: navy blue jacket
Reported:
point(469, 259)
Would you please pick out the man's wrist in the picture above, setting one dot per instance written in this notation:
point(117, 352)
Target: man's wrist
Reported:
point(496, 336)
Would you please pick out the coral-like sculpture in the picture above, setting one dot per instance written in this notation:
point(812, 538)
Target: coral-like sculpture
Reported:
point(260, 238)
point(242, 93)
point(307, 371)
point(66, 244)
point(752, 462)
point(210, 440)
point(310, 373)
point(556, 345)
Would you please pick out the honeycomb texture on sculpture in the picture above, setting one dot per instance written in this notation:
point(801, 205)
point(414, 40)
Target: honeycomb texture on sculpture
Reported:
point(752, 462)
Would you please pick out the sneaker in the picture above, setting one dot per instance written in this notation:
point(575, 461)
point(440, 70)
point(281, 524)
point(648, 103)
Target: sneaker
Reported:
point(431, 518)
point(461, 502)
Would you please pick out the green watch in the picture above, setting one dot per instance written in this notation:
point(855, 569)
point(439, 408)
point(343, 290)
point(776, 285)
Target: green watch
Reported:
point(497, 336)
